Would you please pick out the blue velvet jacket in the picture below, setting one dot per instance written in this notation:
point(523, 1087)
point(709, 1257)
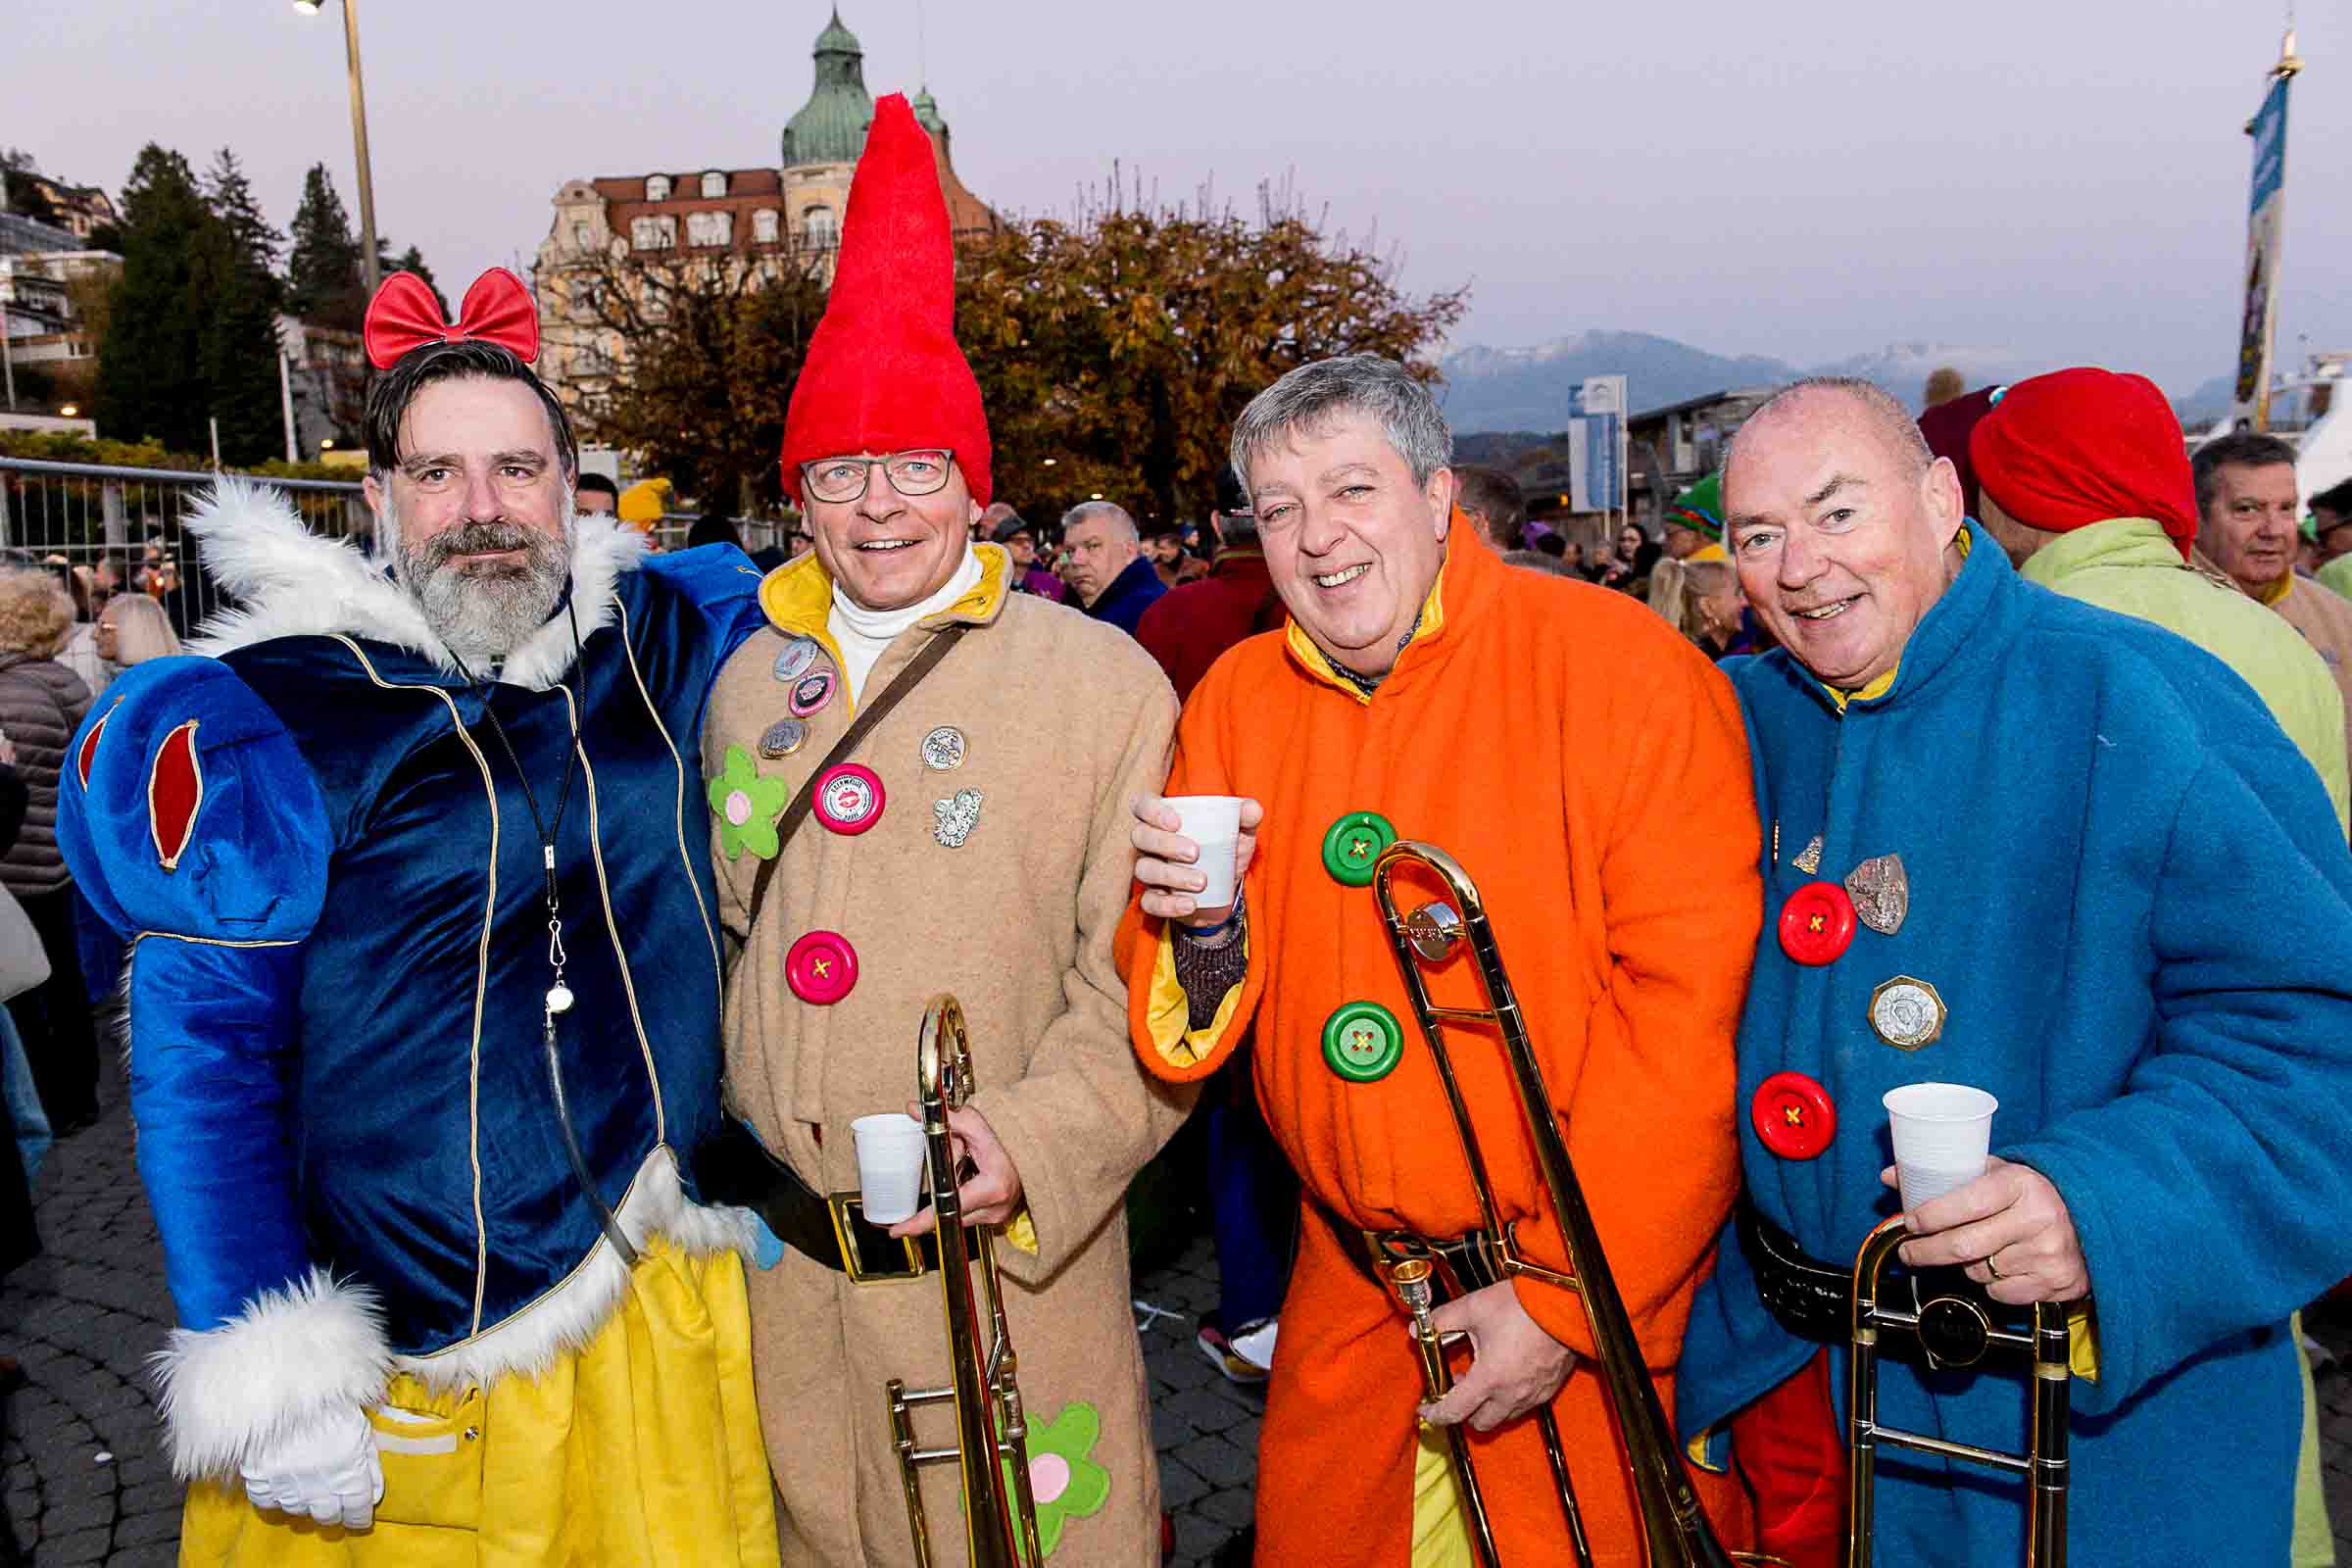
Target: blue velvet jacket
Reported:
point(339, 899)
point(2132, 894)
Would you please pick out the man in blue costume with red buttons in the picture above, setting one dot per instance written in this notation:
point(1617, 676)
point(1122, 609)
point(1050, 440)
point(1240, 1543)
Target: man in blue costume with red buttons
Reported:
point(2015, 842)
point(425, 1004)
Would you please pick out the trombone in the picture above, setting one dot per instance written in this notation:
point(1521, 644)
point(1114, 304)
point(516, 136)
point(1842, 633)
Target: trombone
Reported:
point(1674, 1530)
point(992, 1433)
point(1955, 1332)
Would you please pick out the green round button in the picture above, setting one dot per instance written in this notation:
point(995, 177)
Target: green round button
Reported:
point(1352, 843)
point(1363, 1042)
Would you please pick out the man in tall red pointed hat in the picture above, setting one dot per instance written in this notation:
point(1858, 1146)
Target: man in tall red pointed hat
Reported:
point(425, 1004)
point(920, 783)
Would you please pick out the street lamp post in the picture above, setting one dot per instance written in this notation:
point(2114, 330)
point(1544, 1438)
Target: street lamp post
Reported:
point(359, 133)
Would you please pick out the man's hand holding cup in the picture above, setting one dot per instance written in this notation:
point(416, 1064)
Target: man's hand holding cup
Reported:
point(1190, 854)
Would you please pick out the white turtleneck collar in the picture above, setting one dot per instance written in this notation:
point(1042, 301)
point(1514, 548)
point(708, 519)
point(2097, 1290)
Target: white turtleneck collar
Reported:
point(862, 634)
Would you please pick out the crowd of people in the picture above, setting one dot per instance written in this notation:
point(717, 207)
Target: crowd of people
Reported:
point(534, 935)
point(66, 633)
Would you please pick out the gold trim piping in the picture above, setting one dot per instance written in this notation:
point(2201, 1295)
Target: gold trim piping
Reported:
point(481, 973)
point(604, 893)
point(694, 883)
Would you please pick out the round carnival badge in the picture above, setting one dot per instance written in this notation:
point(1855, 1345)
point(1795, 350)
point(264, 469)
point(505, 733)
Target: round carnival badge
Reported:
point(1907, 1013)
point(783, 738)
point(1817, 923)
point(848, 798)
point(810, 692)
point(944, 749)
point(1792, 1116)
point(793, 662)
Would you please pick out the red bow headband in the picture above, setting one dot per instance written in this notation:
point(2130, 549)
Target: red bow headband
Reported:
point(404, 316)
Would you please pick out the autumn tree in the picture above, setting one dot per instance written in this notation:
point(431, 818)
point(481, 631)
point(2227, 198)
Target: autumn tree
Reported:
point(1123, 342)
point(713, 347)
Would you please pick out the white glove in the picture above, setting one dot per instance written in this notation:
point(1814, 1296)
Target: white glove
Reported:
point(324, 1469)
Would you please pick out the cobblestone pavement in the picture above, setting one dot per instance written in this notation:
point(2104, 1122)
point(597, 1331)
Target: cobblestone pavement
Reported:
point(84, 1483)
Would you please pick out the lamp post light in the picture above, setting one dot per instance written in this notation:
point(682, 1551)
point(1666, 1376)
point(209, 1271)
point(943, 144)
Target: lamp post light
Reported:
point(359, 133)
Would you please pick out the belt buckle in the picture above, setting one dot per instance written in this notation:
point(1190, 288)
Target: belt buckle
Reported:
point(840, 1206)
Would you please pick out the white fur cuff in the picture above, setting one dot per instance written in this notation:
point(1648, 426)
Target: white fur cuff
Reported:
point(288, 1356)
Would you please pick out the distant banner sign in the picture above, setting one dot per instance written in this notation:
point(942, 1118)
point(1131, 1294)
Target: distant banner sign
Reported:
point(2263, 225)
point(1597, 447)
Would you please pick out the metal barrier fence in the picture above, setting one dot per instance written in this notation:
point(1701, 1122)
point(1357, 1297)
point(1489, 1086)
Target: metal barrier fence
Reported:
point(68, 515)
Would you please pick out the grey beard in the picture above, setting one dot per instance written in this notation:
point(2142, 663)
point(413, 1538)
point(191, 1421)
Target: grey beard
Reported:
point(484, 614)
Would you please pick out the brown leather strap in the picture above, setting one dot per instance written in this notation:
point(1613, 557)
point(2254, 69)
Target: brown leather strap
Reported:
point(861, 726)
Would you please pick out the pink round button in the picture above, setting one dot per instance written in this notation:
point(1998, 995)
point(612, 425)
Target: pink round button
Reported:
point(848, 798)
point(822, 967)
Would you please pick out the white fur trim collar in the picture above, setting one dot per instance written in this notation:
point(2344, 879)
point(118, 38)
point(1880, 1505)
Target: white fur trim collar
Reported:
point(290, 582)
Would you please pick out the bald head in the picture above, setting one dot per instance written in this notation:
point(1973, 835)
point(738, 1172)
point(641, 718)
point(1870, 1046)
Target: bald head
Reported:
point(1871, 403)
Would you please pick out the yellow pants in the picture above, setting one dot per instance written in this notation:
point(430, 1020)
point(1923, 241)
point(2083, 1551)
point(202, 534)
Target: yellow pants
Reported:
point(640, 1450)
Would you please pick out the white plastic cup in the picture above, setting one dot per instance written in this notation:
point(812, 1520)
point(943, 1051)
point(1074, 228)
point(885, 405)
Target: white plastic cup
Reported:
point(1942, 1137)
point(1213, 822)
point(890, 1165)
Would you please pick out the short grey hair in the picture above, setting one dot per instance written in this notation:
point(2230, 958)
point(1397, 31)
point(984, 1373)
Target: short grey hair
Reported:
point(1314, 395)
point(1895, 421)
point(1122, 525)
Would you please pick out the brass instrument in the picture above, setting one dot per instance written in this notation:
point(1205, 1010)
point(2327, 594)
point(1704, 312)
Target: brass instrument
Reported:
point(992, 1434)
point(1674, 1530)
point(1955, 1332)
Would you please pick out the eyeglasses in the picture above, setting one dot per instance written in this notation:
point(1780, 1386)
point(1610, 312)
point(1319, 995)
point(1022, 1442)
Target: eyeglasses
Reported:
point(919, 472)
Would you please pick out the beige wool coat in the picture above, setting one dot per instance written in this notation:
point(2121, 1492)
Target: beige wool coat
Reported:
point(1064, 720)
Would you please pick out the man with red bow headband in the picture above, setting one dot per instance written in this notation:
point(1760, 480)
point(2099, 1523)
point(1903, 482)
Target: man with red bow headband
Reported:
point(918, 783)
point(425, 1004)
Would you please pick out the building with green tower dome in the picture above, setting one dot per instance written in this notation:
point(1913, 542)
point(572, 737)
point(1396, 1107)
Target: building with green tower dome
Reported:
point(768, 218)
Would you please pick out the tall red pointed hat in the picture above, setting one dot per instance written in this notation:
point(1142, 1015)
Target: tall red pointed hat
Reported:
point(883, 372)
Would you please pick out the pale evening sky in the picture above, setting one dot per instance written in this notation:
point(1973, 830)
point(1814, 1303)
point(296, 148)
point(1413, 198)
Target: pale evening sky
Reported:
point(2064, 179)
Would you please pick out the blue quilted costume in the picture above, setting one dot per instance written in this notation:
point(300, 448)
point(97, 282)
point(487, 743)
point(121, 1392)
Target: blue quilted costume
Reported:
point(323, 853)
point(2132, 895)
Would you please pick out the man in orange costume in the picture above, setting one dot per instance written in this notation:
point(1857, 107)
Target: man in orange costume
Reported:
point(1589, 769)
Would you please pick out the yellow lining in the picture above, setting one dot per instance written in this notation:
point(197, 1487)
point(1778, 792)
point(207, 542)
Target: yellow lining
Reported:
point(2274, 593)
point(2082, 1339)
point(604, 893)
point(1184, 1045)
point(1431, 621)
point(694, 883)
point(481, 973)
point(797, 600)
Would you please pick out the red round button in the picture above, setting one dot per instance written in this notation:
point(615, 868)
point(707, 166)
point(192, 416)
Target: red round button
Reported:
point(1792, 1116)
point(822, 967)
point(1817, 923)
point(849, 798)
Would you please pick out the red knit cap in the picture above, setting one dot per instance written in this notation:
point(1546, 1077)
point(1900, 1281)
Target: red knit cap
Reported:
point(2077, 447)
point(883, 372)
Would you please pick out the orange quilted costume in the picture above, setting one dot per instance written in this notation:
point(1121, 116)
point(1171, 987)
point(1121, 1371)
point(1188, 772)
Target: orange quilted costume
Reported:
point(1589, 769)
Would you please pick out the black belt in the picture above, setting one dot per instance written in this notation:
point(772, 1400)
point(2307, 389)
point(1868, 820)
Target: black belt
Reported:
point(1814, 1300)
point(733, 1166)
point(1464, 1263)
point(1811, 1300)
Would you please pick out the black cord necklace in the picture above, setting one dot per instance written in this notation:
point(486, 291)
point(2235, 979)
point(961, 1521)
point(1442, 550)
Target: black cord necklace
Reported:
point(559, 995)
